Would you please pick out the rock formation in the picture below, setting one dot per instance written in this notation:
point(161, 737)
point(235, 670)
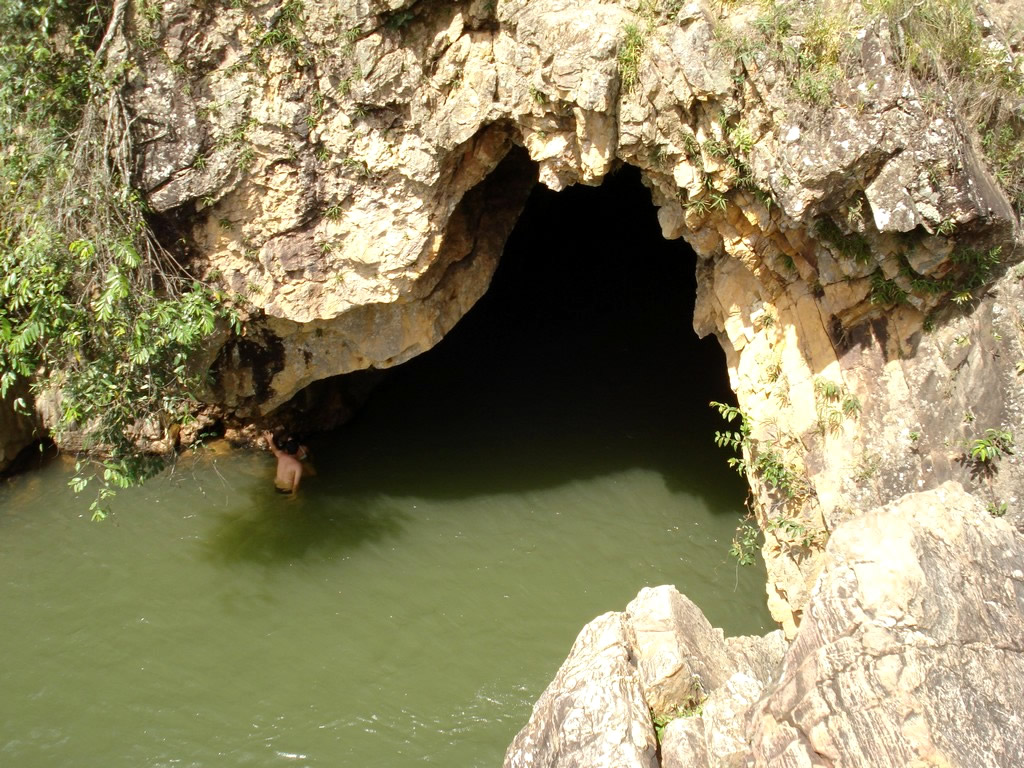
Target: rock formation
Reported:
point(352, 172)
point(18, 427)
point(909, 653)
point(659, 659)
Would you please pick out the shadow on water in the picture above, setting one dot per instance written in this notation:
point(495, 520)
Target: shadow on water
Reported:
point(579, 362)
point(270, 528)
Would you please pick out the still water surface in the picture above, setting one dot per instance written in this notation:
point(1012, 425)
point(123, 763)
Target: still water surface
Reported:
point(412, 603)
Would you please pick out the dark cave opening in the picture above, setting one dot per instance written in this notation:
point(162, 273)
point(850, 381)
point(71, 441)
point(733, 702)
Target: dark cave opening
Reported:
point(580, 359)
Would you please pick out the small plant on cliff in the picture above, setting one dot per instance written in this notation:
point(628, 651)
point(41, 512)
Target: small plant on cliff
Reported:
point(886, 292)
point(833, 403)
point(631, 51)
point(991, 447)
point(736, 440)
point(997, 509)
point(777, 474)
point(853, 245)
point(946, 42)
point(744, 542)
point(692, 707)
point(794, 535)
point(399, 19)
point(983, 455)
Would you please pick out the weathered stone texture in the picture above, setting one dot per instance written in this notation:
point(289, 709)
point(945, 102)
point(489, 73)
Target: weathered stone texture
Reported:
point(594, 712)
point(911, 651)
point(660, 657)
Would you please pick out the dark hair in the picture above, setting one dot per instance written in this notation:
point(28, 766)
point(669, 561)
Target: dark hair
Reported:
point(291, 445)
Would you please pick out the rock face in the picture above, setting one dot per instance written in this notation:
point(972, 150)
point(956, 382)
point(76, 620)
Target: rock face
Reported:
point(660, 658)
point(17, 429)
point(911, 652)
point(593, 713)
point(352, 171)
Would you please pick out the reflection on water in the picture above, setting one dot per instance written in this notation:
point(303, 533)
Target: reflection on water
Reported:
point(536, 470)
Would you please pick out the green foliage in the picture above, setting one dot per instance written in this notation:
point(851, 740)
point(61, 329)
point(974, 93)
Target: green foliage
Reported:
point(833, 403)
point(945, 41)
point(853, 245)
point(991, 447)
point(90, 305)
point(350, 38)
point(774, 22)
point(770, 465)
point(793, 533)
point(997, 508)
point(733, 440)
point(285, 33)
point(710, 200)
point(944, 44)
point(885, 291)
point(693, 707)
point(818, 61)
point(744, 543)
point(715, 148)
point(690, 145)
point(1003, 144)
point(943, 38)
point(631, 51)
point(399, 19)
point(976, 267)
point(741, 137)
point(971, 269)
point(806, 44)
point(776, 474)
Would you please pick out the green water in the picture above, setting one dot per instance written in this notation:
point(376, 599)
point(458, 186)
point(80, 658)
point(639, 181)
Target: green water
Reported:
point(536, 470)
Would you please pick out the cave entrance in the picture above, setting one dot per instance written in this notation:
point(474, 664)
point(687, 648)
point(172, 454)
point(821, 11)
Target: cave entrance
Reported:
point(548, 459)
point(581, 356)
point(564, 423)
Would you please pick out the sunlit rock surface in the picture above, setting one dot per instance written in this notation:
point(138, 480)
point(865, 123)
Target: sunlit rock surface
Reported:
point(660, 658)
point(911, 652)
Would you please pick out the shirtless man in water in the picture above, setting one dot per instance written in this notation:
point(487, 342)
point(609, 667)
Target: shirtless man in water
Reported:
point(289, 468)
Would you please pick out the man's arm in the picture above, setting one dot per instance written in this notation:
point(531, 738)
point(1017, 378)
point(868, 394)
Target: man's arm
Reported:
point(270, 444)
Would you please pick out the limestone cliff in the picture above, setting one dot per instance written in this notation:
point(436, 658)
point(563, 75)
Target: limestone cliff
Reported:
point(353, 169)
